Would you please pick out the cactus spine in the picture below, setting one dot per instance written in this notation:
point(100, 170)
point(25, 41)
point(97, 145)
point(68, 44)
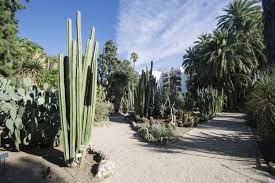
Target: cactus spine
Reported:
point(77, 93)
point(145, 93)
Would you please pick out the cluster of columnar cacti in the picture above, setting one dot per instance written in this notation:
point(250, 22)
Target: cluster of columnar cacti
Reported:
point(145, 93)
point(29, 113)
point(130, 97)
point(77, 93)
point(128, 100)
point(209, 100)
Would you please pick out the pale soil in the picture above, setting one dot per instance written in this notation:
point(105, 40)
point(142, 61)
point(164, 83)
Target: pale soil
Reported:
point(221, 151)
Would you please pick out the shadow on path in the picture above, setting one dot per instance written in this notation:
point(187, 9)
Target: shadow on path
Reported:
point(230, 138)
point(26, 170)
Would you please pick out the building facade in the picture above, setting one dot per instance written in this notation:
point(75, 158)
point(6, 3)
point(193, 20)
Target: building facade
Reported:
point(269, 29)
point(173, 80)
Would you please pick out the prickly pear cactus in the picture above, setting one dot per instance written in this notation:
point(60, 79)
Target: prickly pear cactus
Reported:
point(29, 114)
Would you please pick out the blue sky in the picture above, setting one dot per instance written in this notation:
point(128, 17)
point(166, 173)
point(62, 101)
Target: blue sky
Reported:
point(158, 30)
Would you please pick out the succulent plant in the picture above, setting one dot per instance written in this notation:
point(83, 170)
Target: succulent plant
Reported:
point(185, 118)
point(77, 93)
point(28, 111)
point(210, 100)
point(145, 93)
point(180, 115)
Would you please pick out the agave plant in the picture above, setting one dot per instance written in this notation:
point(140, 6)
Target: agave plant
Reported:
point(262, 102)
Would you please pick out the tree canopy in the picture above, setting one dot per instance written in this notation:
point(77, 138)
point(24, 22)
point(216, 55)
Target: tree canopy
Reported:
point(230, 56)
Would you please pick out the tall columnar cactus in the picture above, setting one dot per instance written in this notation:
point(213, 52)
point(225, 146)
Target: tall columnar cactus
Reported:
point(128, 99)
point(77, 96)
point(145, 93)
point(210, 100)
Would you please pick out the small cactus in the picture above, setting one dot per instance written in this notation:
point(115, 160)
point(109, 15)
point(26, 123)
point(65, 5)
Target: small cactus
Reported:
point(185, 118)
point(152, 121)
point(180, 114)
point(190, 122)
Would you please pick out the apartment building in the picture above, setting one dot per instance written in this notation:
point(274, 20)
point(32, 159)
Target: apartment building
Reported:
point(173, 80)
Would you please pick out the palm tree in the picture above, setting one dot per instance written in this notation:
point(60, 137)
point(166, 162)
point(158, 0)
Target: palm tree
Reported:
point(240, 14)
point(134, 58)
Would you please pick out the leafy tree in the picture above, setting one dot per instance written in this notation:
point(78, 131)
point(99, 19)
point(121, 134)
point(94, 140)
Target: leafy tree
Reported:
point(107, 62)
point(8, 30)
point(114, 75)
point(117, 87)
point(9, 42)
point(118, 82)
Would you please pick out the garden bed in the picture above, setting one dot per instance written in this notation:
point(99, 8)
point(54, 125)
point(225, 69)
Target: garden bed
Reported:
point(160, 132)
point(47, 165)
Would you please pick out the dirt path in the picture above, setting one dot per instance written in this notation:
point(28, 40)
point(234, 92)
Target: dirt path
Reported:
point(220, 151)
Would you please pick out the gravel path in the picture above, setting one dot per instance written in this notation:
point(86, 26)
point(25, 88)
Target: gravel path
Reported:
point(219, 151)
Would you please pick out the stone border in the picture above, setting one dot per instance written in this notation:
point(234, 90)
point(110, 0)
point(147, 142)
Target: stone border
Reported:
point(106, 167)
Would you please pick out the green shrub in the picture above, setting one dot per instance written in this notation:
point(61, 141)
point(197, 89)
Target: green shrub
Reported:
point(160, 131)
point(47, 76)
point(102, 110)
point(157, 133)
point(103, 107)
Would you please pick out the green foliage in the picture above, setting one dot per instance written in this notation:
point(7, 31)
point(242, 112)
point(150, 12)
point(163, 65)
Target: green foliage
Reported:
point(103, 107)
point(47, 76)
point(107, 63)
point(157, 133)
point(77, 93)
point(134, 58)
point(115, 76)
point(117, 87)
point(121, 83)
point(9, 44)
point(228, 58)
point(209, 101)
point(261, 103)
point(145, 93)
point(183, 101)
point(29, 113)
point(31, 51)
point(102, 111)
point(128, 100)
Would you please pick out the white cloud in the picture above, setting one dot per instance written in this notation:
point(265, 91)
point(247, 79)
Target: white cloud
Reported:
point(161, 30)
